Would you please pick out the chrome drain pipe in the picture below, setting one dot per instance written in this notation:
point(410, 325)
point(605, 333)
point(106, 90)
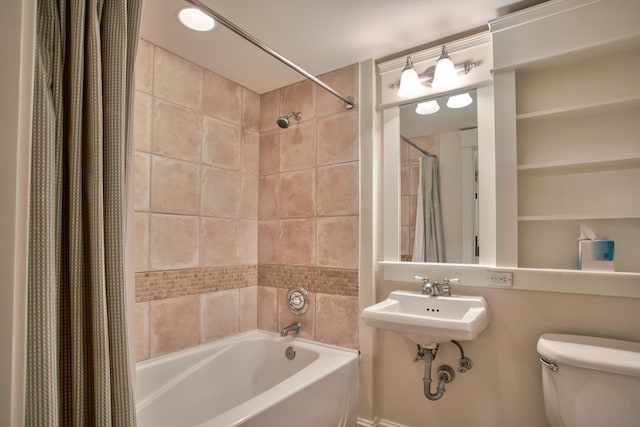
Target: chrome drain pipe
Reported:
point(445, 373)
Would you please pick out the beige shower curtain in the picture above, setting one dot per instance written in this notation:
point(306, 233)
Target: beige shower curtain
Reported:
point(77, 349)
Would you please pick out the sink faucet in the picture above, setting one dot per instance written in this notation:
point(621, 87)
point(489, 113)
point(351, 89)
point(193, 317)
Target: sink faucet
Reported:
point(293, 328)
point(435, 288)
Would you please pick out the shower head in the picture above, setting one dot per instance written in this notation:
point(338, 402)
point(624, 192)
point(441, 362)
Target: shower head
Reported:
point(283, 121)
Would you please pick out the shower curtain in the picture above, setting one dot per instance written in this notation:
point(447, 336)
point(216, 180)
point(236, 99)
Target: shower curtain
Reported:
point(428, 245)
point(77, 349)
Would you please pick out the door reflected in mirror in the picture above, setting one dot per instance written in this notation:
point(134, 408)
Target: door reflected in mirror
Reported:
point(439, 180)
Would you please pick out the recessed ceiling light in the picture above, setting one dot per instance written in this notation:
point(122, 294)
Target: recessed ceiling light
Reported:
point(195, 19)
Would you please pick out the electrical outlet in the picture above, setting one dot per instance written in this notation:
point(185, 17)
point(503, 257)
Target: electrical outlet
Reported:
point(500, 278)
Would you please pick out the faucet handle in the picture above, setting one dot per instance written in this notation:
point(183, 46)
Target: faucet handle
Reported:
point(423, 279)
point(447, 281)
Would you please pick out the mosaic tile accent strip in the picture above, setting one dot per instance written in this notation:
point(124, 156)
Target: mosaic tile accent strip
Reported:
point(314, 279)
point(155, 285)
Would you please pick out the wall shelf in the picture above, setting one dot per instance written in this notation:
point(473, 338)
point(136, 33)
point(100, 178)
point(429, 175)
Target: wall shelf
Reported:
point(632, 160)
point(579, 217)
point(584, 108)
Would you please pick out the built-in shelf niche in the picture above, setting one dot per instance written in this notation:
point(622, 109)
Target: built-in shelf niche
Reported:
point(578, 152)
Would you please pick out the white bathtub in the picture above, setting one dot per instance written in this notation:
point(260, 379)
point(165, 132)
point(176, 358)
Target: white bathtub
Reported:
point(246, 380)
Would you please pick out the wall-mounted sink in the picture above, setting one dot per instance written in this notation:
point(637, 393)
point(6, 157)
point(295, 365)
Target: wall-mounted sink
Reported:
point(428, 320)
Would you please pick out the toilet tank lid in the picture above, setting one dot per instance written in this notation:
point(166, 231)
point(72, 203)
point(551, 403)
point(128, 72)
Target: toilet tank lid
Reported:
point(601, 354)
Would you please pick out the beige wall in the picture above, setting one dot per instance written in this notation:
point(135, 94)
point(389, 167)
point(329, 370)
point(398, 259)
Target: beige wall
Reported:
point(196, 209)
point(309, 208)
point(503, 389)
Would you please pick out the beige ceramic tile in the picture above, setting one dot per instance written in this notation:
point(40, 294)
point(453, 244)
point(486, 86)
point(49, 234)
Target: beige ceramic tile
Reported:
point(250, 110)
point(338, 189)
point(142, 241)
point(405, 181)
point(298, 147)
point(177, 80)
point(404, 240)
point(337, 320)
point(176, 131)
point(248, 242)
point(248, 308)
point(338, 138)
point(219, 315)
point(144, 66)
point(414, 179)
point(296, 242)
point(413, 205)
point(268, 242)
point(173, 242)
point(221, 191)
point(175, 186)
point(269, 110)
point(338, 242)
point(269, 153)
point(267, 309)
point(174, 324)
point(412, 238)
point(297, 194)
point(404, 153)
point(286, 317)
point(218, 242)
point(405, 215)
point(345, 81)
point(142, 177)
point(250, 152)
point(222, 98)
point(249, 202)
point(142, 331)
point(142, 122)
point(220, 143)
point(299, 98)
point(429, 143)
point(268, 194)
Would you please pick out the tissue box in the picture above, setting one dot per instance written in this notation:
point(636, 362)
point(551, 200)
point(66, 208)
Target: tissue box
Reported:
point(595, 255)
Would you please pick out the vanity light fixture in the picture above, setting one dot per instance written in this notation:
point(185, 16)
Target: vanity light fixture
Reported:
point(445, 76)
point(409, 81)
point(428, 107)
point(459, 101)
point(195, 19)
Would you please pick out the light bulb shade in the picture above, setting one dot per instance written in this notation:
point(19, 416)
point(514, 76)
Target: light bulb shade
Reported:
point(410, 85)
point(428, 107)
point(445, 75)
point(195, 19)
point(459, 101)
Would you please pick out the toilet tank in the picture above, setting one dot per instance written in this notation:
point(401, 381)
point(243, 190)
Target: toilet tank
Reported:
point(596, 383)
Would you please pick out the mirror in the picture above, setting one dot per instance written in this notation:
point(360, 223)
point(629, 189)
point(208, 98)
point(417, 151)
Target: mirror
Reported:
point(439, 150)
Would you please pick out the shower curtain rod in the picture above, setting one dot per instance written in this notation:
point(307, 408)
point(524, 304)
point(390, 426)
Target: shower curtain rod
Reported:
point(425, 152)
point(349, 101)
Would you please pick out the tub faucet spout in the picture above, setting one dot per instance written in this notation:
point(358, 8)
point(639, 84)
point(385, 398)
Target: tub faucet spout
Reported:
point(293, 328)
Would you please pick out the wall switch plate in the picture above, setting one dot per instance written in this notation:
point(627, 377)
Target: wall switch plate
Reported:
point(500, 278)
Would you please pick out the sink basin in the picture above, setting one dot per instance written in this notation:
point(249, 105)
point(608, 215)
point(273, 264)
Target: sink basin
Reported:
point(428, 320)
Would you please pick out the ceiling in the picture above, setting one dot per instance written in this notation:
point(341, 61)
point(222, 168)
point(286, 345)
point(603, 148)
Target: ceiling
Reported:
point(317, 35)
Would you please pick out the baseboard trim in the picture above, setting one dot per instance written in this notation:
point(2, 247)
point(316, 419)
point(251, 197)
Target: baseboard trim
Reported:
point(377, 423)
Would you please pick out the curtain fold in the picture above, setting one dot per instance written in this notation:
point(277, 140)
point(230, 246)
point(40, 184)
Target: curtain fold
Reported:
point(77, 348)
point(428, 244)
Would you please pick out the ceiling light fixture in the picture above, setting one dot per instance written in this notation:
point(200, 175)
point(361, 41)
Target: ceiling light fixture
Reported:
point(428, 107)
point(459, 101)
point(444, 77)
point(195, 19)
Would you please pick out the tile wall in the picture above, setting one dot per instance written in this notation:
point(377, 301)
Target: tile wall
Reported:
point(409, 178)
point(196, 204)
point(230, 210)
point(308, 208)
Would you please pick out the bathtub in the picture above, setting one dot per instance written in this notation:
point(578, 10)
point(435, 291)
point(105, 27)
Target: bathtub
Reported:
point(246, 380)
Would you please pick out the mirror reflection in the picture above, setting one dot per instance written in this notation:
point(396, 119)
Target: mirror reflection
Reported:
point(439, 180)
